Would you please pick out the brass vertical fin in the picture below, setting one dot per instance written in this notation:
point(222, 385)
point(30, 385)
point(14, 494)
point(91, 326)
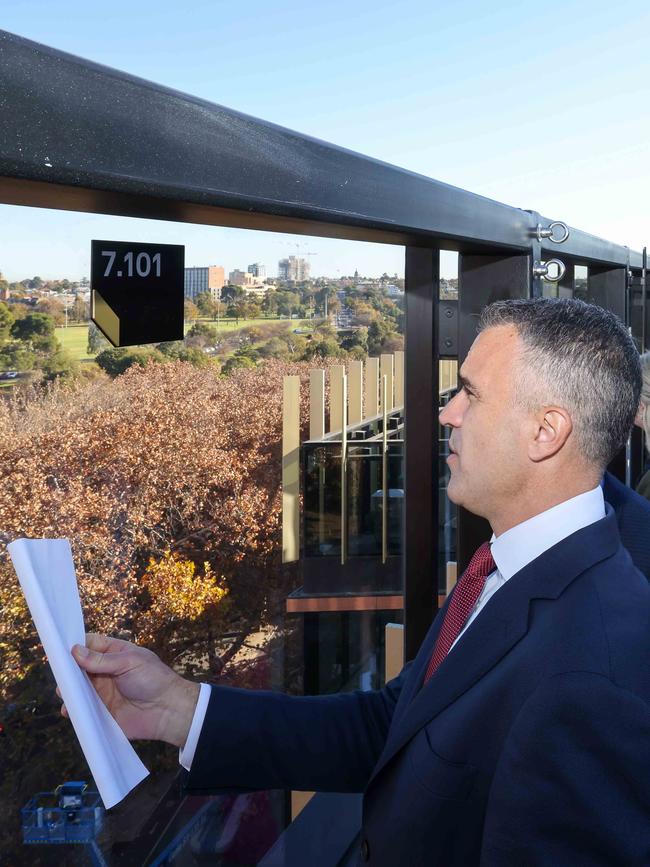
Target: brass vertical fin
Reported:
point(337, 372)
point(290, 469)
point(384, 469)
point(371, 396)
point(355, 383)
point(316, 404)
point(399, 378)
point(344, 469)
point(386, 367)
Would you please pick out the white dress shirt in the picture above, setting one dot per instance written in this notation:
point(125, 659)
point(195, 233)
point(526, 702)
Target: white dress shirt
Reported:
point(512, 550)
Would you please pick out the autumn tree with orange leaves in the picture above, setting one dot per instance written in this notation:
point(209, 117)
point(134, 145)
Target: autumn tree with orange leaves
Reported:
point(166, 481)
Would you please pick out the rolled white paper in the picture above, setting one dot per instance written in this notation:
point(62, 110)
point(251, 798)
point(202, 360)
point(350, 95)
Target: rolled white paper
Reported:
point(49, 583)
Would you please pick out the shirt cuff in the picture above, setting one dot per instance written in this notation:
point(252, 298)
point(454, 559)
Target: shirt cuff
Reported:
point(186, 754)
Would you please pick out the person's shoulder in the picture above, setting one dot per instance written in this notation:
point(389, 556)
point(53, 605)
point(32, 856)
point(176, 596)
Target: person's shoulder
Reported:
point(619, 495)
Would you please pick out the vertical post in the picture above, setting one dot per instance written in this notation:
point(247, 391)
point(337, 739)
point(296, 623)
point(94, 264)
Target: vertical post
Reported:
point(316, 404)
point(337, 372)
point(607, 287)
point(344, 469)
point(384, 471)
point(386, 368)
point(290, 468)
point(422, 285)
point(644, 302)
point(399, 378)
point(355, 388)
point(371, 395)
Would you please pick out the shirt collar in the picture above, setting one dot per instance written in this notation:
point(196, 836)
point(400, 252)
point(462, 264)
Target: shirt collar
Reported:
point(523, 543)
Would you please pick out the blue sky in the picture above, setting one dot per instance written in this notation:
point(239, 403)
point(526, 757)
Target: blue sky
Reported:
point(542, 106)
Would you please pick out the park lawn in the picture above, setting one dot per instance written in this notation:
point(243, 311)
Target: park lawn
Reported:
point(228, 324)
point(74, 338)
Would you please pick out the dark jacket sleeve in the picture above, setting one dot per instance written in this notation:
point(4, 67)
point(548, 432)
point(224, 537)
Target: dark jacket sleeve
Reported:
point(573, 783)
point(266, 740)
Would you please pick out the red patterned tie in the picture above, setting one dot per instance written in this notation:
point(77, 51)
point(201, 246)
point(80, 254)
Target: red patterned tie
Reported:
point(468, 590)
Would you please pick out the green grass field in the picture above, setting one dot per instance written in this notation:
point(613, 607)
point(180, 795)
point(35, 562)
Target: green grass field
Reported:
point(74, 338)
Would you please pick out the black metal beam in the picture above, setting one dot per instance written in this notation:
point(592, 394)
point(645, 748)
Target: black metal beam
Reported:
point(422, 282)
point(607, 287)
point(86, 137)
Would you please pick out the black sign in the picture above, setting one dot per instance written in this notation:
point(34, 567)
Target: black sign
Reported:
point(137, 291)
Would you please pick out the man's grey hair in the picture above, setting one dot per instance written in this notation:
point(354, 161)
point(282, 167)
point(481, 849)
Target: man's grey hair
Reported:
point(580, 357)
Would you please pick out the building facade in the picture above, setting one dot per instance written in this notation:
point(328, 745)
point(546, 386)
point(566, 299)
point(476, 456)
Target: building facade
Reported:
point(257, 270)
point(199, 280)
point(293, 268)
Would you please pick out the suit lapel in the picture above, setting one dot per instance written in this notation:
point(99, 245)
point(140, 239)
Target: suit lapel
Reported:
point(501, 624)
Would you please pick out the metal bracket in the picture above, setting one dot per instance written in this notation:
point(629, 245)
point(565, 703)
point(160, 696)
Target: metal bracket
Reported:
point(548, 232)
point(448, 328)
point(543, 270)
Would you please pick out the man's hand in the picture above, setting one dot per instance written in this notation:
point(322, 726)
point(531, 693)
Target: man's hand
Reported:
point(147, 699)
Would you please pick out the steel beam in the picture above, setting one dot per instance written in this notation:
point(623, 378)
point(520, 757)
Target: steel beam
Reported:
point(88, 138)
point(422, 281)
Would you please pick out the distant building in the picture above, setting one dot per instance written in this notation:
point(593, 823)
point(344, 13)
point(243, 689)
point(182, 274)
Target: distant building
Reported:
point(257, 270)
point(294, 268)
point(248, 282)
point(241, 278)
point(200, 280)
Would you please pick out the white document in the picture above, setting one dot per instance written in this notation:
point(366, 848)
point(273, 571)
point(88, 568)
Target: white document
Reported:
point(47, 577)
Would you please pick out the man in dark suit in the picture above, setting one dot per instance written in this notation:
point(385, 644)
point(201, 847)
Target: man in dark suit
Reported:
point(520, 735)
point(633, 518)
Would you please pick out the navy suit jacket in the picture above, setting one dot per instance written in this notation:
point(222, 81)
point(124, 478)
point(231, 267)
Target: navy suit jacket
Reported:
point(529, 746)
point(633, 519)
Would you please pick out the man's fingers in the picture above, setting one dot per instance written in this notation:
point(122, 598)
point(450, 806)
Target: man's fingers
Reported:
point(58, 692)
point(64, 711)
point(104, 643)
point(98, 663)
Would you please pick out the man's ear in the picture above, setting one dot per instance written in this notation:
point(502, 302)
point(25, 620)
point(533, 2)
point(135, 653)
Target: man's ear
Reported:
point(553, 426)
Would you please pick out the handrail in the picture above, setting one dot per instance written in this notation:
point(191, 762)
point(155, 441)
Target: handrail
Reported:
point(83, 136)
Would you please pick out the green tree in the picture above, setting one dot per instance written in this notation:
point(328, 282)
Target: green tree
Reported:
point(270, 303)
point(16, 356)
point(7, 319)
point(275, 347)
point(356, 343)
point(60, 365)
point(201, 334)
point(79, 310)
point(52, 308)
point(323, 347)
point(96, 340)
point(118, 359)
point(237, 361)
point(190, 311)
point(37, 331)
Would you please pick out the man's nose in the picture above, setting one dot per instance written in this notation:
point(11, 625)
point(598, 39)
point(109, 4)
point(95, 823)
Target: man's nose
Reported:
point(451, 414)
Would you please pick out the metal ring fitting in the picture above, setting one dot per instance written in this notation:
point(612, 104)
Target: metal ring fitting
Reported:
point(542, 269)
point(549, 232)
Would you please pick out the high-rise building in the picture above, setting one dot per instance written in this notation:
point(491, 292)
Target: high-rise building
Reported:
point(294, 268)
point(200, 280)
point(257, 270)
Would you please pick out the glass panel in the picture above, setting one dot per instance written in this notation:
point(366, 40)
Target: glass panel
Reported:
point(581, 282)
point(322, 500)
point(162, 465)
